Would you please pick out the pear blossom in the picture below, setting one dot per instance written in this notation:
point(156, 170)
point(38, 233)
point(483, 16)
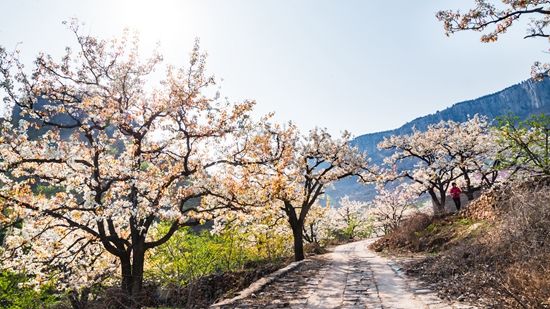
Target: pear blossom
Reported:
point(116, 153)
point(446, 152)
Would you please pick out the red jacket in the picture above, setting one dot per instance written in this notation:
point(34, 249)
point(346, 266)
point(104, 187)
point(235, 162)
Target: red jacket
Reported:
point(455, 192)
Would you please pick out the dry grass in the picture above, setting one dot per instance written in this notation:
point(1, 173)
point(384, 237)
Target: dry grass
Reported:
point(405, 237)
point(508, 265)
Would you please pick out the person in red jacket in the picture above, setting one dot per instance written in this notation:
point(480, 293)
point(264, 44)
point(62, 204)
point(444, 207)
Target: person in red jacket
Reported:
point(455, 194)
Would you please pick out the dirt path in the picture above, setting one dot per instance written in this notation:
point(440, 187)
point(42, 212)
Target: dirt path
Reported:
point(352, 276)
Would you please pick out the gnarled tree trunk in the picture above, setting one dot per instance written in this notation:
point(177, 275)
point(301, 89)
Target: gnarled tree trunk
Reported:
point(297, 225)
point(132, 275)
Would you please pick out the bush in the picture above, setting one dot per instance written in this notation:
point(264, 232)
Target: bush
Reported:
point(189, 255)
point(406, 235)
point(524, 238)
point(15, 295)
point(526, 143)
point(507, 266)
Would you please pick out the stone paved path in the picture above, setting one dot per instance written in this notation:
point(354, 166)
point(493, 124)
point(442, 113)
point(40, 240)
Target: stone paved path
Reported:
point(351, 276)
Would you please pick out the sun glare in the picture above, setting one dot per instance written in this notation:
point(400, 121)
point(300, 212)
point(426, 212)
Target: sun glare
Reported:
point(156, 21)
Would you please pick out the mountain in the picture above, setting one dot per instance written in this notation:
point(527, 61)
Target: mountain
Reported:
point(522, 100)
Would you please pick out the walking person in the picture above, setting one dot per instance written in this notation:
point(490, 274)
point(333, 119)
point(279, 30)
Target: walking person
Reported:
point(455, 194)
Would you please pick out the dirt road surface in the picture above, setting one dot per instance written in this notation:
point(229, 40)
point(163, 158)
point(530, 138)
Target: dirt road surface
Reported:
point(351, 276)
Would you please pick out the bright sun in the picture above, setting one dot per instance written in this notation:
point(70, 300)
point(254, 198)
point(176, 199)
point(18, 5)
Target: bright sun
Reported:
point(172, 23)
point(154, 19)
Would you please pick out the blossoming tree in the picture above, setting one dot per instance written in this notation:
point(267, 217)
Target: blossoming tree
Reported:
point(445, 152)
point(496, 19)
point(427, 164)
point(391, 206)
point(472, 148)
point(121, 154)
point(300, 177)
point(351, 219)
point(317, 227)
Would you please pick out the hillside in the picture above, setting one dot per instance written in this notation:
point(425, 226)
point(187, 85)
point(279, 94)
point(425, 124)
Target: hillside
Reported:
point(522, 100)
point(492, 254)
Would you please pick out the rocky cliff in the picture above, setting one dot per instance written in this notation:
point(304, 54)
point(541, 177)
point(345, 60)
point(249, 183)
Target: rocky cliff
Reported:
point(522, 100)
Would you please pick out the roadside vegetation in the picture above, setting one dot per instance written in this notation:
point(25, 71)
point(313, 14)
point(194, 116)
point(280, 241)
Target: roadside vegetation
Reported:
point(115, 185)
point(495, 252)
point(119, 191)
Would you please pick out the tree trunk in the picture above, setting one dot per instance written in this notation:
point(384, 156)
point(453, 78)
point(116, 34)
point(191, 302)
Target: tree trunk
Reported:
point(79, 300)
point(438, 204)
point(297, 226)
point(138, 259)
point(298, 242)
point(126, 273)
point(132, 276)
point(469, 189)
point(470, 194)
point(442, 199)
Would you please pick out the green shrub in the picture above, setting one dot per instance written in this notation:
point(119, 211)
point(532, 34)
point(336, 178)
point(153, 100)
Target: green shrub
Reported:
point(526, 144)
point(15, 295)
point(189, 254)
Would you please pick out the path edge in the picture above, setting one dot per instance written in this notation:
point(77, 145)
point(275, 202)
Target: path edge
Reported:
point(258, 284)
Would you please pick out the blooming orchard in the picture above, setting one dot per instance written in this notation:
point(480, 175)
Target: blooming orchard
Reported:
point(352, 219)
point(117, 154)
point(318, 225)
point(299, 176)
point(472, 149)
point(445, 152)
point(391, 206)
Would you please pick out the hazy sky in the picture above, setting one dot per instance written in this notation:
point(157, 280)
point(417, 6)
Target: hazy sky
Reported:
point(364, 66)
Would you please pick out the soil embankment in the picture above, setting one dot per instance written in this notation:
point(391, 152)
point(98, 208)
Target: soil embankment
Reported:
point(495, 253)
